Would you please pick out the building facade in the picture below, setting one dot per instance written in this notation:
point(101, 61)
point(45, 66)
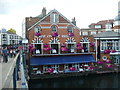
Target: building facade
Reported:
point(56, 42)
point(8, 39)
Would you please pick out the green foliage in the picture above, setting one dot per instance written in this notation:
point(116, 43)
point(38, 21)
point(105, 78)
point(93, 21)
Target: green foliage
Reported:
point(11, 30)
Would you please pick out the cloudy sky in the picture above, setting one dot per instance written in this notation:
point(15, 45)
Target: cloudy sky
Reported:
point(13, 12)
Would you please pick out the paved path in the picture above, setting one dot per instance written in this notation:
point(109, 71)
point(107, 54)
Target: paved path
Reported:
point(6, 72)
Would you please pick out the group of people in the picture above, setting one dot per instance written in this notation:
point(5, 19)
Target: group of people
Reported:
point(8, 53)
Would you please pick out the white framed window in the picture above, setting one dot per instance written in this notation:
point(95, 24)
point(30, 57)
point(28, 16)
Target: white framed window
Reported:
point(92, 33)
point(70, 29)
point(54, 18)
point(98, 26)
point(85, 33)
point(37, 29)
point(54, 28)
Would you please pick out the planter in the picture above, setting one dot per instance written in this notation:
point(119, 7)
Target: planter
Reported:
point(37, 34)
point(54, 34)
point(70, 34)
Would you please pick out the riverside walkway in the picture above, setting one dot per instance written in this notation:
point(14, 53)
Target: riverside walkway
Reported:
point(6, 73)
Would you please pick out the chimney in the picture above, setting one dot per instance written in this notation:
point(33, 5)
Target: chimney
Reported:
point(43, 12)
point(73, 21)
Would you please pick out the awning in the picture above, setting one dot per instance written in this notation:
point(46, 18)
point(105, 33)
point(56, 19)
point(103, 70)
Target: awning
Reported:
point(50, 60)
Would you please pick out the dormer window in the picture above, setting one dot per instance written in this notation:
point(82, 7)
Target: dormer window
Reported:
point(37, 29)
point(98, 26)
point(70, 29)
point(54, 28)
point(54, 18)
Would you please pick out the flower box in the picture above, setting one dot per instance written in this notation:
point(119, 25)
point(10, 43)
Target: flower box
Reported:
point(70, 34)
point(37, 34)
point(54, 34)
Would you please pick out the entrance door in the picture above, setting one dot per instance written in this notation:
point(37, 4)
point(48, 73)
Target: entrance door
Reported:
point(54, 48)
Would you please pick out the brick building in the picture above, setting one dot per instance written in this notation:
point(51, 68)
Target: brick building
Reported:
point(56, 42)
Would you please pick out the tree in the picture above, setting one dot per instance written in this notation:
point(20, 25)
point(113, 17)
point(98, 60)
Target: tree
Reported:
point(11, 30)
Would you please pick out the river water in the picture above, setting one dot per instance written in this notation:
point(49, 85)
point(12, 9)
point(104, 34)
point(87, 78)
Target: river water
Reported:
point(90, 81)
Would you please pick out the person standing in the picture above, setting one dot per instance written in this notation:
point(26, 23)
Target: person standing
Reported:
point(5, 54)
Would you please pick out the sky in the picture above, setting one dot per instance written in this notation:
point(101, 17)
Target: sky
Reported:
point(13, 12)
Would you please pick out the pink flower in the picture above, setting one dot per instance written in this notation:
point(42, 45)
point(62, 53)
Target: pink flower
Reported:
point(113, 51)
point(47, 49)
point(31, 50)
point(92, 44)
point(78, 45)
point(70, 34)
point(106, 51)
point(50, 70)
point(108, 61)
point(54, 34)
point(63, 49)
point(63, 45)
point(45, 45)
point(109, 66)
point(79, 48)
point(72, 68)
point(30, 46)
point(99, 62)
point(37, 34)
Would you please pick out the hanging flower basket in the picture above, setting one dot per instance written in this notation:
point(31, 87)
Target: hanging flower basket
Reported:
point(54, 34)
point(72, 68)
point(92, 44)
point(63, 49)
point(99, 62)
point(37, 34)
point(70, 34)
point(106, 51)
point(113, 51)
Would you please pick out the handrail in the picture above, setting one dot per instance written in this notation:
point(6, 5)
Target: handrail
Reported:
point(23, 79)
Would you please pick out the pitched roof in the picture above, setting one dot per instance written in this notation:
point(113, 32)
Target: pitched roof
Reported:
point(106, 34)
point(31, 20)
point(54, 10)
point(103, 23)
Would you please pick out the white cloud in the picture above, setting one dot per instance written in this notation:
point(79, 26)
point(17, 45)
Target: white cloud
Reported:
point(12, 12)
